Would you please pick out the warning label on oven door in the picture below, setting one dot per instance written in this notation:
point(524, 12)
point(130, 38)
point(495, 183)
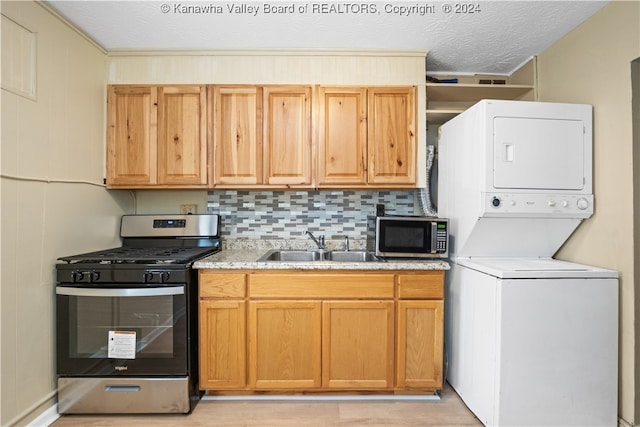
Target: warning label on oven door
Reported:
point(122, 345)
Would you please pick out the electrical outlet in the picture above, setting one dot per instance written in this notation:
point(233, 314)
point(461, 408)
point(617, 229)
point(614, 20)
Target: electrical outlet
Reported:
point(188, 209)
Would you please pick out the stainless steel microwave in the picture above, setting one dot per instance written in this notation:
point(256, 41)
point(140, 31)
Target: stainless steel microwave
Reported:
point(408, 236)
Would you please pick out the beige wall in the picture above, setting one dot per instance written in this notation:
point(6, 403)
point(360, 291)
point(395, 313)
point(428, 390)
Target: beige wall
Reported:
point(49, 138)
point(592, 65)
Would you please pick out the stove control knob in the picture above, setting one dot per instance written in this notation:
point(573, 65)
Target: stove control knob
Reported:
point(95, 276)
point(77, 276)
point(151, 276)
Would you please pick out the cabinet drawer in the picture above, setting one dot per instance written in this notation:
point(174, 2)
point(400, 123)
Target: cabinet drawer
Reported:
point(296, 285)
point(425, 285)
point(222, 285)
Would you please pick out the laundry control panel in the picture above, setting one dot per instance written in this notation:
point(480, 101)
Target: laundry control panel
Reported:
point(537, 205)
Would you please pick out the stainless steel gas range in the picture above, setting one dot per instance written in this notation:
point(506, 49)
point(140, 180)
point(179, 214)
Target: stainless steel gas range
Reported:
point(127, 322)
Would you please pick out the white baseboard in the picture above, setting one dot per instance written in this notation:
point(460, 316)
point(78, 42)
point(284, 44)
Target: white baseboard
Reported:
point(46, 418)
point(623, 423)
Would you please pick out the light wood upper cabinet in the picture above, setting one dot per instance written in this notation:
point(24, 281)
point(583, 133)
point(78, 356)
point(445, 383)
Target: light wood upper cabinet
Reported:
point(157, 137)
point(248, 136)
point(342, 136)
point(237, 134)
point(182, 135)
point(367, 137)
point(131, 135)
point(261, 136)
point(391, 135)
point(287, 135)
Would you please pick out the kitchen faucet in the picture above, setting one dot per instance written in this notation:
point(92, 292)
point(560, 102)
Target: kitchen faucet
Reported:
point(320, 243)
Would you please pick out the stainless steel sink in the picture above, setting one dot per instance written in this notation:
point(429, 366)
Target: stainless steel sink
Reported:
point(290, 255)
point(351, 256)
point(297, 255)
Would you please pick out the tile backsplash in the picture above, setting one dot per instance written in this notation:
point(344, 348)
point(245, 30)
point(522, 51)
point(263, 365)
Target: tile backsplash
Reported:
point(287, 214)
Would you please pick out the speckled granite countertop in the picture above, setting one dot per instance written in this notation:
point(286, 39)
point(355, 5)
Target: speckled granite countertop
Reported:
point(243, 255)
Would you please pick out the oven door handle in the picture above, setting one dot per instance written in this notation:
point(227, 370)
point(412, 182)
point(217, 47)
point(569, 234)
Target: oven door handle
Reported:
point(120, 292)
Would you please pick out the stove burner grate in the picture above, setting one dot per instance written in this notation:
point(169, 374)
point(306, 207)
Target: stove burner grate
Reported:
point(160, 255)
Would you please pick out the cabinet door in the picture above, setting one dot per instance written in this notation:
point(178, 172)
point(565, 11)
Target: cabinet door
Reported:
point(284, 344)
point(182, 135)
point(222, 344)
point(420, 345)
point(287, 135)
point(342, 136)
point(131, 135)
point(237, 135)
point(391, 135)
point(357, 344)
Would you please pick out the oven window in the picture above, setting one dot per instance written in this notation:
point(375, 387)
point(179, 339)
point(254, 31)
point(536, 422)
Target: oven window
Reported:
point(122, 331)
point(148, 320)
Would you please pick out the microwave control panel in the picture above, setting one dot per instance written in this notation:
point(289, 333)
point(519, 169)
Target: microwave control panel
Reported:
point(441, 236)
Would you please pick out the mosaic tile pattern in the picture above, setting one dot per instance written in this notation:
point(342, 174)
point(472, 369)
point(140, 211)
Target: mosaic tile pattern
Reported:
point(287, 214)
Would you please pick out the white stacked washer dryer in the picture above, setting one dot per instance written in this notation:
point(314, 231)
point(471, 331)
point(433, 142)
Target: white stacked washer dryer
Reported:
point(531, 340)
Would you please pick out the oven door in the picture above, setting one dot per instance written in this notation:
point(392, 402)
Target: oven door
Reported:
point(123, 331)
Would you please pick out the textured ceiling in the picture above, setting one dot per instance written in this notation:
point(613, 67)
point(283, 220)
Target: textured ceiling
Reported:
point(482, 37)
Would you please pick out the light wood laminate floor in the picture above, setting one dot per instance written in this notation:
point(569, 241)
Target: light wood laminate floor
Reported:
point(448, 411)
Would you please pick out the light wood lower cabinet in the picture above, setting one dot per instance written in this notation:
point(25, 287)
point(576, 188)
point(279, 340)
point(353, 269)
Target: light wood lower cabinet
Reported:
point(357, 345)
point(222, 344)
point(420, 331)
point(321, 331)
point(419, 349)
point(222, 331)
point(284, 344)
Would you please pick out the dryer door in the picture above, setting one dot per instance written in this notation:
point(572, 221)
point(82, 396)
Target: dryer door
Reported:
point(538, 154)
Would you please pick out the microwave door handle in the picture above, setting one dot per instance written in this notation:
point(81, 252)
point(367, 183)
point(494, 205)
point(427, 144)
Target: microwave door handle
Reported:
point(121, 292)
point(434, 237)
